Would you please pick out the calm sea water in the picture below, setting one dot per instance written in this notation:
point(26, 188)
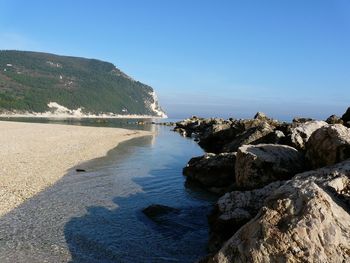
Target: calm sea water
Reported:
point(96, 216)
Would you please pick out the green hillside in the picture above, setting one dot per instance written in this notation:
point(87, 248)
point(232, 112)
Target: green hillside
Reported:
point(30, 80)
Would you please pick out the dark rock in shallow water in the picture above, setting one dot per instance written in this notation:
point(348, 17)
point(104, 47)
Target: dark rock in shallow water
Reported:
point(216, 172)
point(174, 223)
point(154, 211)
point(328, 145)
point(182, 131)
point(259, 165)
point(233, 210)
point(216, 136)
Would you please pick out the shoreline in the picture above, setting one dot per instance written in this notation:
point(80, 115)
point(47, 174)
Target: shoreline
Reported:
point(67, 116)
point(34, 156)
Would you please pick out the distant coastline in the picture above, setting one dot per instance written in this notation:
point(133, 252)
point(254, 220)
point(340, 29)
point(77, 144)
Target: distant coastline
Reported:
point(58, 111)
point(71, 116)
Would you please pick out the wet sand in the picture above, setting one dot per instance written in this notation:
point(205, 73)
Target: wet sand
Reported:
point(34, 156)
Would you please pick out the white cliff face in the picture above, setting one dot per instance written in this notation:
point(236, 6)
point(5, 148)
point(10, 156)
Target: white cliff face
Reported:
point(154, 106)
point(59, 110)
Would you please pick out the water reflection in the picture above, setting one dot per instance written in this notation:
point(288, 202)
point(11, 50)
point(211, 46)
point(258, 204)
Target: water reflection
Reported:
point(138, 124)
point(96, 216)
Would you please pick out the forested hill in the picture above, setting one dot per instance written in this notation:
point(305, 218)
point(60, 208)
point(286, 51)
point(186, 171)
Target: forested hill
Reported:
point(29, 81)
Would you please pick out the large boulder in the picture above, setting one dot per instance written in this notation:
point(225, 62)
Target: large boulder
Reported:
point(259, 165)
point(217, 135)
point(302, 132)
point(263, 133)
point(346, 117)
point(334, 119)
point(211, 170)
point(233, 210)
point(261, 116)
point(328, 145)
point(305, 220)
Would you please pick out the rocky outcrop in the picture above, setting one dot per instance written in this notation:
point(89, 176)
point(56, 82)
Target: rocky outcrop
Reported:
point(305, 220)
point(334, 119)
point(346, 117)
point(262, 133)
point(233, 210)
point(301, 133)
point(328, 145)
point(217, 135)
point(216, 172)
point(261, 116)
point(259, 165)
point(271, 215)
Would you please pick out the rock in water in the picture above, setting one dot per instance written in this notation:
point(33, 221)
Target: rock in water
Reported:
point(217, 135)
point(305, 220)
point(259, 134)
point(328, 145)
point(301, 134)
point(212, 170)
point(154, 211)
point(233, 210)
point(259, 165)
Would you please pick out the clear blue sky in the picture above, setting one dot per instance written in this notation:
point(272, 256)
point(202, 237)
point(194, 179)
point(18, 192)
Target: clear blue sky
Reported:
point(210, 58)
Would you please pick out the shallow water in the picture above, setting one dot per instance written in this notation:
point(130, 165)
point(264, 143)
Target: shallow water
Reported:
point(95, 216)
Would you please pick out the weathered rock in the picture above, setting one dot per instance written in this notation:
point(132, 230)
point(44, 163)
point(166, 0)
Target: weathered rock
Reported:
point(182, 131)
point(233, 210)
point(191, 125)
point(333, 119)
point(301, 134)
point(213, 134)
point(261, 116)
point(258, 165)
point(346, 117)
point(305, 220)
point(216, 136)
point(254, 135)
point(212, 170)
point(328, 145)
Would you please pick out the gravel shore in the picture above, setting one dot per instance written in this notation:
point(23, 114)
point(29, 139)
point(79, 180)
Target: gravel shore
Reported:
point(34, 156)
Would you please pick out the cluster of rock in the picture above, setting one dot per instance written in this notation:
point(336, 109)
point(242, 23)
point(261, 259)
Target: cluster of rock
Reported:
point(285, 187)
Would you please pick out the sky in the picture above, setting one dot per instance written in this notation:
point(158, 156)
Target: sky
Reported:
point(222, 58)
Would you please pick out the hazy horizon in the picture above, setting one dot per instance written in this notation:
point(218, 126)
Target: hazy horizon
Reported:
point(230, 59)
